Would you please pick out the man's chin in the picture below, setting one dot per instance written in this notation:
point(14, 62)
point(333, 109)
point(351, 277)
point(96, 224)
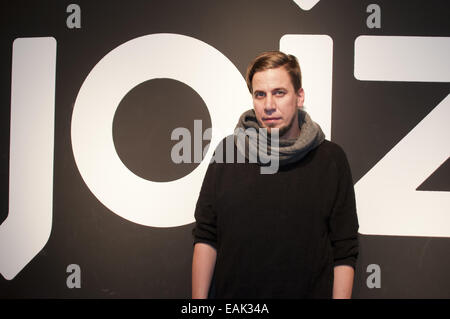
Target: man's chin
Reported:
point(279, 130)
point(272, 126)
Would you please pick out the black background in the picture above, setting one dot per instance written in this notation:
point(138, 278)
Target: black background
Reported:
point(120, 259)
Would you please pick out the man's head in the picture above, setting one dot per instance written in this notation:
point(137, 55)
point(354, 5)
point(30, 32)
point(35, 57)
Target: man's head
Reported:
point(272, 60)
point(274, 80)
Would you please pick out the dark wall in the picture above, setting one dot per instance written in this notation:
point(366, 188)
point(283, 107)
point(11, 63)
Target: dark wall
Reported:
point(119, 258)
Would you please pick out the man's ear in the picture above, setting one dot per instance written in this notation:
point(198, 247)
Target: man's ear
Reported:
point(300, 98)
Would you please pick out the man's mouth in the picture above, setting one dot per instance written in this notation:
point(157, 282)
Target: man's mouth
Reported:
point(271, 119)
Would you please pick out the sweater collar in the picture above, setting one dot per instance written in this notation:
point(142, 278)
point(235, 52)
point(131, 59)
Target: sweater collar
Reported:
point(288, 150)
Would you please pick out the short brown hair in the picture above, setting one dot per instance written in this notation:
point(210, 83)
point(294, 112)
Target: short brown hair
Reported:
point(272, 60)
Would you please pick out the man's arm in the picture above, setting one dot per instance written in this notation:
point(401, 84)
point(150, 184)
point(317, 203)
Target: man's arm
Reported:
point(203, 263)
point(343, 282)
point(344, 226)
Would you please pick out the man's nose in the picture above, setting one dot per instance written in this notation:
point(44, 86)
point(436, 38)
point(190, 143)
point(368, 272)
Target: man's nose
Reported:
point(269, 103)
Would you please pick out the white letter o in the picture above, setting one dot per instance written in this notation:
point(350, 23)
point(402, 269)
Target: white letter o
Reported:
point(173, 56)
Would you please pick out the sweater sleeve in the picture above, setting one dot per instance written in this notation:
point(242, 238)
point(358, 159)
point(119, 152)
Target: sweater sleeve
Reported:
point(343, 222)
point(205, 230)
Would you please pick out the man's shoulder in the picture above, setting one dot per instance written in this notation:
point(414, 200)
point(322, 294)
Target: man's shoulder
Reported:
point(332, 152)
point(331, 148)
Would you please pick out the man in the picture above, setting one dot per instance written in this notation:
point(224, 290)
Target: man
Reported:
point(291, 234)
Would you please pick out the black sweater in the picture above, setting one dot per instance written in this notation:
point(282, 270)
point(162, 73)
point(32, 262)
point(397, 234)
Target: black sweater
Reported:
point(279, 235)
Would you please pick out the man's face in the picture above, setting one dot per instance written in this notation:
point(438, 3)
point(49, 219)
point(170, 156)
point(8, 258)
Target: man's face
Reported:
point(276, 102)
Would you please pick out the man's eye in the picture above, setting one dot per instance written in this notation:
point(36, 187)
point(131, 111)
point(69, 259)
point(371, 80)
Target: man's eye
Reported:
point(260, 94)
point(280, 93)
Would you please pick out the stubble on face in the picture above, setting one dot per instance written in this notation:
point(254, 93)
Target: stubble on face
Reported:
point(282, 130)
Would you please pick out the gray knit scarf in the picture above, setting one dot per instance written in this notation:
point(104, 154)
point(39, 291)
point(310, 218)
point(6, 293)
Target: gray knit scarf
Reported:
point(288, 150)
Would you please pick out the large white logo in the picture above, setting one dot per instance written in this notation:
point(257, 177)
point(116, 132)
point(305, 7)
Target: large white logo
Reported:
point(136, 61)
point(387, 200)
point(27, 228)
point(315, 54)
point(306, 4)
point(386, 197)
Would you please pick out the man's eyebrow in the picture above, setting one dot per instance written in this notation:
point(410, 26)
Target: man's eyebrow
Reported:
point(258, 91)
point(275, 89)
